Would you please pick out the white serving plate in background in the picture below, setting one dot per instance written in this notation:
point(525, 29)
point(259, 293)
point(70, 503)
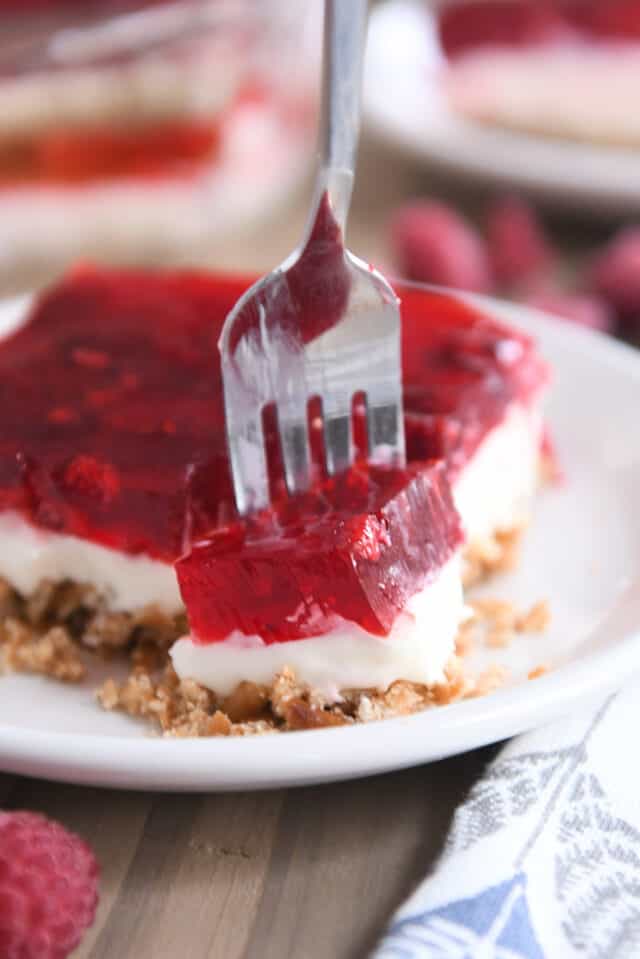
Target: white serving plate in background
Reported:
point(405, 105)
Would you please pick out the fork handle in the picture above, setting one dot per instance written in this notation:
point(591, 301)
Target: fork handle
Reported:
point(345, 24)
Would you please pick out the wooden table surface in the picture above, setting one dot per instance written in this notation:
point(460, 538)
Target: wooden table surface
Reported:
point(310, 873)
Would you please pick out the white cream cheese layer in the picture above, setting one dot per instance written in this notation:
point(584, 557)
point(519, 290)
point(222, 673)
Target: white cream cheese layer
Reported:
point(29, 555)
point(145, 91)
point(576, 92)
point(417, 649)
point(495, 490)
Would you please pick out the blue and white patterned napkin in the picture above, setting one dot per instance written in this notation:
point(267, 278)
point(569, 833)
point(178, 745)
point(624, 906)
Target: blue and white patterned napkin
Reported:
point(543, 858)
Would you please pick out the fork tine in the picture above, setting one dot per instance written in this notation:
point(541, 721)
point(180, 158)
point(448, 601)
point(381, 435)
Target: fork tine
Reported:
point(294, 442)
point(248, 457)
point(338, 441)
point(386, 432)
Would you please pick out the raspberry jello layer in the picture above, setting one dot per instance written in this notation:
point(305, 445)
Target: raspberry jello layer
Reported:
point(473, 396)
point(120, 96)
point(353, 586)
point(112, 446)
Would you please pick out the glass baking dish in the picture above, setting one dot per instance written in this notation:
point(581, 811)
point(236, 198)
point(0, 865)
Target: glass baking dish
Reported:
point(134, 132)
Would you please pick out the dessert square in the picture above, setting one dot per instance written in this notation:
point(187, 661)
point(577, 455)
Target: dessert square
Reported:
point(344, 584)
point(116, 506)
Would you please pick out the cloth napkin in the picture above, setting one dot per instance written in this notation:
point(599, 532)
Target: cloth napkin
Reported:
point(543, 858)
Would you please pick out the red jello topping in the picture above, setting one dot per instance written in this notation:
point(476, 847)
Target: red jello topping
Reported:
point(111, 418)
point(606, 19)
point(461, 371)
point(467, 25)
point(111, 422)
point(78, 156)
point(356, 549)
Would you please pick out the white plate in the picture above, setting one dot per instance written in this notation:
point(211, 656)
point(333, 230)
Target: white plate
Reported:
point(404, 104)
point(582, 554)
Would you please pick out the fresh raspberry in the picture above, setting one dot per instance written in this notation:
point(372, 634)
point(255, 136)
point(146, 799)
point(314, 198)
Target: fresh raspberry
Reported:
point(468, 25)
point(433, 244)
point(578, 308)
point(518, 247)
point(48, 887)
point(615, 273)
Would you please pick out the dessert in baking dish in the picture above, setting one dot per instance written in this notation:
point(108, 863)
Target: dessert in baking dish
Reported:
point(149, 130)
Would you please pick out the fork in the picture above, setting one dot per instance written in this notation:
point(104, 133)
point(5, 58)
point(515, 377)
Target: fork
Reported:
point(323, 325)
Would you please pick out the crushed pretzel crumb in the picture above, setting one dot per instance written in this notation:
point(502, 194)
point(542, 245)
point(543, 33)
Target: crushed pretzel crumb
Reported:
point(498, 638)
point(52, 653)
point(500, 621)
point(46, 632)
point(466, 638)
point(488, 681)
point(536, 620)
point(456, 685)
point(247, 702)
point(496, 554)
point(537, 672)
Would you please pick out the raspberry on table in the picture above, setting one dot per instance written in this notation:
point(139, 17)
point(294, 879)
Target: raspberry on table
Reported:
point(434, 244)
point(518, 247)
point(615, 273)
point(48, 887)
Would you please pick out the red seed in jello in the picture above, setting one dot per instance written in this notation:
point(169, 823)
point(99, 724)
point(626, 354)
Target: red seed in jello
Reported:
point(357, 548)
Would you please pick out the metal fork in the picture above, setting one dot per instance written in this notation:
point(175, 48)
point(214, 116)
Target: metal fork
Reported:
point(323, 324)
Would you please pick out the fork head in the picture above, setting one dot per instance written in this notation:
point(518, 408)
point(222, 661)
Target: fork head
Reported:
point(325, 326)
